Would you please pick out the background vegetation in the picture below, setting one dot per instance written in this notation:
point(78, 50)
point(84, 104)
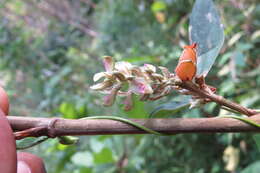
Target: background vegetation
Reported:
point(50, 50)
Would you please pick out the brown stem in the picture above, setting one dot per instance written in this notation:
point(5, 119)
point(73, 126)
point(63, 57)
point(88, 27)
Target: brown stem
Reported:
point(63, 127)
point(216, 98)
point(35, 132)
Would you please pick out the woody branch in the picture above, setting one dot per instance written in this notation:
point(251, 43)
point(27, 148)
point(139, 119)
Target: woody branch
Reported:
point(61, 127)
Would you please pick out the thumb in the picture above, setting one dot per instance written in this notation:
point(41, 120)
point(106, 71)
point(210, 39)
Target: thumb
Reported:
point(29, 163)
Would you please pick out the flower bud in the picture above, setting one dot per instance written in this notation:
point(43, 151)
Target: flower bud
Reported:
point(110, 99)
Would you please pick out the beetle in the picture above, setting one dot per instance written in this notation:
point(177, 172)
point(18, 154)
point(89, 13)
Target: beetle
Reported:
point(187, 65)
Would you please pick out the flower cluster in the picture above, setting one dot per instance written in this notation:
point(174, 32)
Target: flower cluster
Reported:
point(125, 79)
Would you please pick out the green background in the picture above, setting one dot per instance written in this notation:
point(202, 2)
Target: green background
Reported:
point(50, 50)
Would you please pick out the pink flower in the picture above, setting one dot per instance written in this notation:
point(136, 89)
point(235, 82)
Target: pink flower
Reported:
point(140, 86)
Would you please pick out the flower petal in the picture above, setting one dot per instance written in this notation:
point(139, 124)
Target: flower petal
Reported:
point(99, 75)
point(140, 86)
point(140, 72)
point(157, 76)
point(108, 63)
point(149, 68)
point(165, 72)
point(110, 99)
point(137, 71)
point(102, 85)
point(124, 67)
point(119, 76)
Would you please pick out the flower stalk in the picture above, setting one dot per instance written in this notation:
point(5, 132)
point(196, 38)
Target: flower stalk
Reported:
point(149, 84)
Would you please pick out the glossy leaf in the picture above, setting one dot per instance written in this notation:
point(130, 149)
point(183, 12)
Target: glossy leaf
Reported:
point(170, 108)
point(206, 30)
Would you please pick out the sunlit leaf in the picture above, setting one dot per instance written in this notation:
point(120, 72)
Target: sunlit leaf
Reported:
point(82, 111)
point(170, 108)
point(140, 59)
point(235, 38)
point(68, 110)
point(158, 6)
point(206, 30)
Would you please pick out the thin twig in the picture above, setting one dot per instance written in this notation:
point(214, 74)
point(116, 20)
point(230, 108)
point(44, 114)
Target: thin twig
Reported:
point(218, 99)
point(229, 110)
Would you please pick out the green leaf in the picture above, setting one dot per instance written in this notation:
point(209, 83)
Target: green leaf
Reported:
point(138, 110)
point(158, 6)
point(252, 168)
point(96, 145)
point(257, 140)
point(140, 59)
point(68, 110)
point(83, 159)
point(206, 30)
point(105, 156)
point(84, 170)
point(170, 108)
point(29, 142)
point(244, 46)
point(59, 76)
point(82, 111)
point(68, 140)
point(224, 59)
point(239, 59)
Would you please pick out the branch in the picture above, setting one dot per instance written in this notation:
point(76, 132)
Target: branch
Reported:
point(54, 127)
point(218, 99)
point(64, 12)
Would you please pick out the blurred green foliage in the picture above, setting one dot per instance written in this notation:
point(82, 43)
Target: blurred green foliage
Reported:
point(50, 50)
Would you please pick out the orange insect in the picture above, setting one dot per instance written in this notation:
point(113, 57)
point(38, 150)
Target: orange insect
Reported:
point(187, 65)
